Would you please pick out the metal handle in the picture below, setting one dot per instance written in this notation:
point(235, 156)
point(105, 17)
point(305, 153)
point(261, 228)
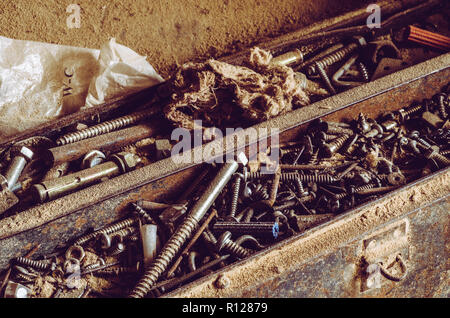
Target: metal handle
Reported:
point(392, 277)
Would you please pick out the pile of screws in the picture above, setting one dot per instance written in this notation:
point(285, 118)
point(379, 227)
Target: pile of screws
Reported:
point(329, 169)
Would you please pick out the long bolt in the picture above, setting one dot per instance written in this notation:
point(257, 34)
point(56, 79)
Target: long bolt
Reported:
point(107, 230)
point(17, 165)
point(105, 127)
point(258, 228)
point(184, 231)
point(52, 189)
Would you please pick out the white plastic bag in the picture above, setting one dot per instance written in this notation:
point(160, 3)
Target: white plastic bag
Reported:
point(41, 81)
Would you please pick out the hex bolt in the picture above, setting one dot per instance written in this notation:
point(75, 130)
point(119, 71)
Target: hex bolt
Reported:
point(18, 163)
point(224, 243)
point(107, 230)
point(270, 229)
point(185, 230)
point(105, 127)
point(329, 149)
point(52, 189)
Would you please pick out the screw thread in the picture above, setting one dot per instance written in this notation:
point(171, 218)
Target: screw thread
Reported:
point(412, 110)
point(441, 159)
point(107, 230)
point(32, 263)
point(332, 58)
point(441, 107)
point(235, 195)
point(314, 158)
point(236, 250)
point(142, 213)
point(103, 128)
point(245, 227)
point(364, 71)
point(162, 261)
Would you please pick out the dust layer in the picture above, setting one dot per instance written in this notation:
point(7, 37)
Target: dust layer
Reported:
point(289, 256)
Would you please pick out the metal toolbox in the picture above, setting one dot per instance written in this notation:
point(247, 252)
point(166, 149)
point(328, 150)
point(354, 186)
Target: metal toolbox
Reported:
point(329, 260)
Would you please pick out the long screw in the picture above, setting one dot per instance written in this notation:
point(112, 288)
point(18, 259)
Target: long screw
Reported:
point(184, 231)
point(105, 127)
point(292, 176)
point(107, 230)
point(33, 264)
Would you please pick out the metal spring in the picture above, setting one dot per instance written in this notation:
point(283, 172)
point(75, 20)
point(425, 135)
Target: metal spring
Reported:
point(164, 258)
point(236, 250)
point(31, 263)
point(142, 213)
point(332, 58)
point(364, 71)
point(103, 128)
point(107, 230)
point(235, 195)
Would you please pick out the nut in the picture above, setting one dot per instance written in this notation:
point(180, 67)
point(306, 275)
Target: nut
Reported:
point(126, 161)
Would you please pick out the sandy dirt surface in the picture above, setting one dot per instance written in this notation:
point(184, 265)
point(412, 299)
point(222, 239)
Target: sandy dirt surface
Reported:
point(169, 33)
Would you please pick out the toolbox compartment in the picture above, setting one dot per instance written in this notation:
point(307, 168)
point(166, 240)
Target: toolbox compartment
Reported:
point(325, 261)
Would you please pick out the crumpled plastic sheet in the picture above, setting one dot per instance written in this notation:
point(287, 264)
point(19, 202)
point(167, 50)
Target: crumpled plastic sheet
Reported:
point(41, 81)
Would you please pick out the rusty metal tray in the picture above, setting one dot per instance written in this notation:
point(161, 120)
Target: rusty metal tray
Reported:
point(322, 262)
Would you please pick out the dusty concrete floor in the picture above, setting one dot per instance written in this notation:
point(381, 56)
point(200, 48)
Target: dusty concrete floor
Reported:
point(168, 32)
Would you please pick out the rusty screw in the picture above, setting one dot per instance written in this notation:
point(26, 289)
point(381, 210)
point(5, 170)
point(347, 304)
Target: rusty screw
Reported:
point(184, 231)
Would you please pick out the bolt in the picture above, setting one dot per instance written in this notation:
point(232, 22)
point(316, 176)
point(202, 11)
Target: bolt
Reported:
point(18, 163)
point(41, 265)
point(107, 230)
point(323, 75)
point(405, 113)
point(226, 244)
point(105, 127)
point(432, 154)
point(256, 228)
point(336, 56)
point(52, 189)
point(329, 149)
point(441, 105)
point(172, 247)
